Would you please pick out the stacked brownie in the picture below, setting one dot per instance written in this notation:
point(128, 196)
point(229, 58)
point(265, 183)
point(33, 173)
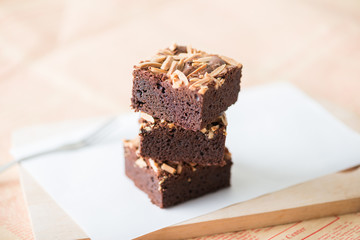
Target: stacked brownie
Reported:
point(182, 94)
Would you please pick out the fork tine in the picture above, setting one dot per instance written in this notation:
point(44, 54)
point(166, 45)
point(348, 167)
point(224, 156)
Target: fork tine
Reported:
point(96, 136)
point(101, 132)
point(99, 137)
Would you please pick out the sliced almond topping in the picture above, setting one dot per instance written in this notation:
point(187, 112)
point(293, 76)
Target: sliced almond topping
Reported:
point(230, 61)
point(147, 117)
point(167, 168)
point(157, 70)
point(171, 125)
point(133, 143)
point(154, 165)
point(203, 130)
point(173, 47)
point(192, 165)
point(167, 63)
point(203, 90)
point(197, 64)
point(203, 59)
point(161, 182)
point(198, 51)
point(192, 80)
point(211, 135)
point(200, 82)
point(218, 70)
point(177, 57)
point(219, 82)
point(189, 49)
point(227, 155)
point(223, 119)
point(172, 68)
point(170, 62)
point(189, 179)
point(141, 163)
point(198, 69)
point(208, 76)
point(179, 168)
point(176, 82)
point(137, 152)
point(182, 77)
point(190, 58)
point(158, 58)
point(147, 128)
point(203, 81)
point(214, 128)
point(180, 65)
point(149, 64)
point(193, 87)
point(184, 55)
point(165, 52)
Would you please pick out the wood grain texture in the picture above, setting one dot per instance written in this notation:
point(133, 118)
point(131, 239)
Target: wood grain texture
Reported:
point(255, 221)
point(334, 194)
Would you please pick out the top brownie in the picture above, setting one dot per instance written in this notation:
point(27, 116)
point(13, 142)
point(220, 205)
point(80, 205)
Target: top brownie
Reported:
point(186, 86)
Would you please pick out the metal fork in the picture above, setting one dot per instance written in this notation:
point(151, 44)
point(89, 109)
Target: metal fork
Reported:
point(97, 136)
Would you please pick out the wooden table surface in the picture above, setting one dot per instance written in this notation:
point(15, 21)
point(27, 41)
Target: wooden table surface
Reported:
point(63, 60)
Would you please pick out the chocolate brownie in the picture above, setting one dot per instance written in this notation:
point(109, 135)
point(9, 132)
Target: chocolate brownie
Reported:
point(185, 86)
point(168, 184)
point(166, 141)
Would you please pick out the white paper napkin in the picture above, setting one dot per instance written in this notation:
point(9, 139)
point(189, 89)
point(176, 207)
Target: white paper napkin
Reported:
point(278, 137)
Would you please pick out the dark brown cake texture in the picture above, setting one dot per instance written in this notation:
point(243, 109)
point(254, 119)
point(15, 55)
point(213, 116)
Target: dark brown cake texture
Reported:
point(166, 141)
point(168, 183)
point(185, 86)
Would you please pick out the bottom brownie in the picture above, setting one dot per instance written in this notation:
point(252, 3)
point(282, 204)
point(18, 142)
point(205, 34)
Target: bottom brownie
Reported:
point(168, 184)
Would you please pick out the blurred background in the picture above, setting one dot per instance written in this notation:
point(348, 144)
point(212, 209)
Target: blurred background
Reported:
point(69, 59)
